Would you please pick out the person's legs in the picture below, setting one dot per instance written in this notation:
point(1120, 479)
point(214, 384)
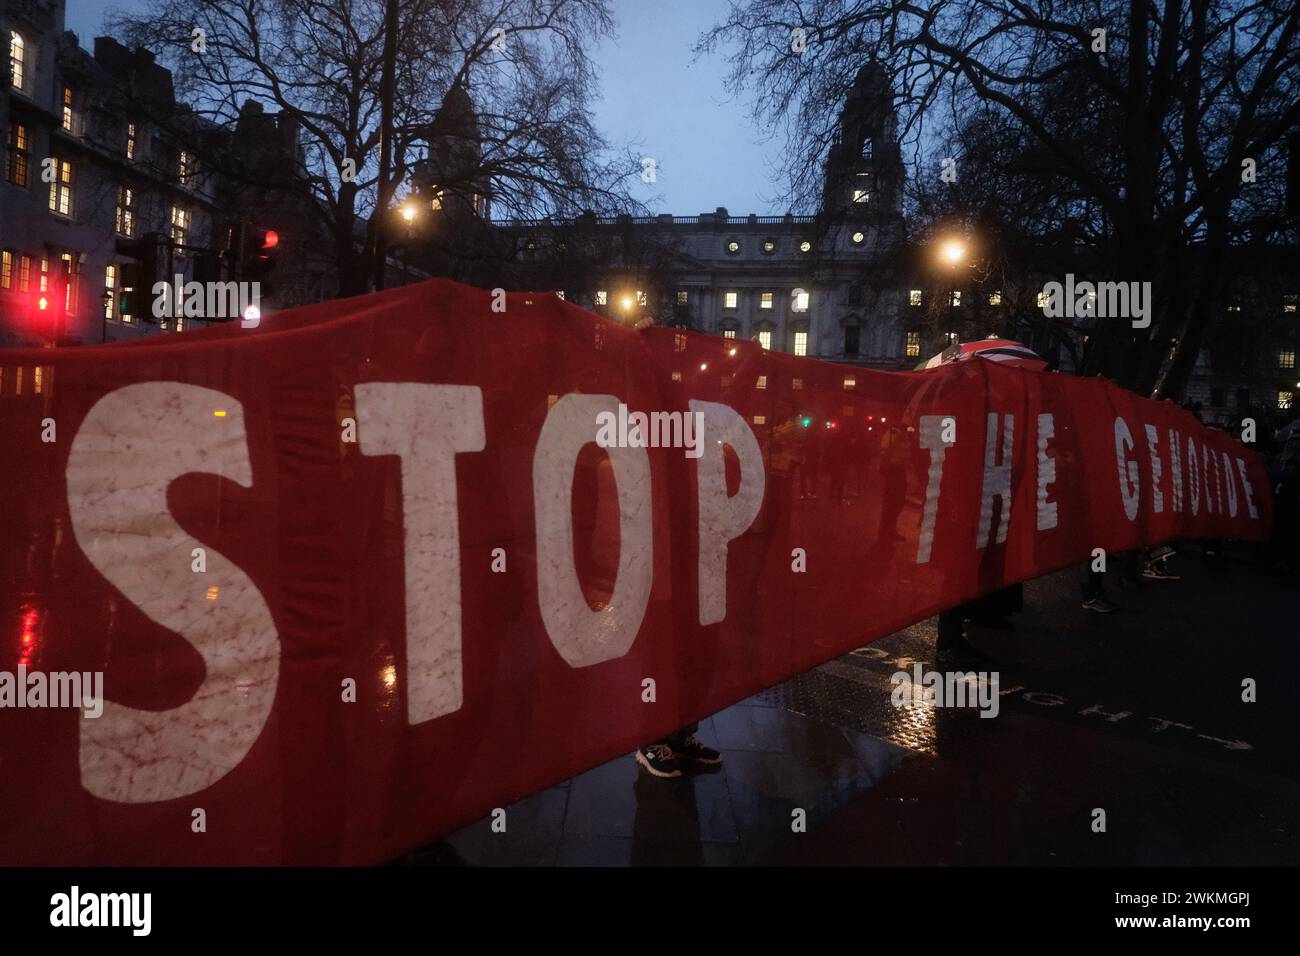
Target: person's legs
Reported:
point(950, 628)
point(688, 748)
point(1094, 591)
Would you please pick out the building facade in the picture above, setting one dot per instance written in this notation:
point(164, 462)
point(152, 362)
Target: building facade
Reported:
point(85, 170)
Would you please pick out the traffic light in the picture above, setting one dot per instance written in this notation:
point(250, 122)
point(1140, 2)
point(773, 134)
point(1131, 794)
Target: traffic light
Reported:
point(138, 278)
point(257, 257)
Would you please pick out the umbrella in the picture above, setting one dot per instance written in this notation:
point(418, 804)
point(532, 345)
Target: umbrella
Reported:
point(1006, 351)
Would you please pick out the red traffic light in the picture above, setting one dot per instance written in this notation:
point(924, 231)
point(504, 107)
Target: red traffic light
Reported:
point(270, 239)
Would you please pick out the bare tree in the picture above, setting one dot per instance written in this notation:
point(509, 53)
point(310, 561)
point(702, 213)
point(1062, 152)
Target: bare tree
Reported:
point(318, 63)
point(1137, 139)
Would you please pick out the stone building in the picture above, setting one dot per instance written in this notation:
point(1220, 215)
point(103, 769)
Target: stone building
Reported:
point(85, 168)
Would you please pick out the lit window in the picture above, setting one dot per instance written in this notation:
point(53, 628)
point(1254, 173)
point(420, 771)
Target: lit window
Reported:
point(951, 337)
point(801, 343)
point(640, 297)
point(805, 246)
point(914, 297)
point(995, 298)
point(765, 302)
point(17, 57)
point(1042, 300)
point(61, 187)
point(130, 141)
point(800, 300)
point(849, 382)
point(559, 294)
point(762, 382)
point(760, 419)
point(769, 247)
point(68, 270)
point(1290, 301)
point(38, 378)
point(24, 273)
point(1235, 307)
point(867, 146)
point(45, 274)
point(6, 269)
point(733, 248)
point(110, 290)
point(435, 204)
point(67, 108)
point(730, 299)
point(859, 238)
point(861, 195)
point(728, 333)
point(765, 339)
point(912, 345)
point(125, 215)
point(180, 223)
point(682, 297)
point(796, 384)
point(956, 298)
point(602, 297)
point(18, 155)
point(184, 167)
point(1286, 358)
point(1284, 399)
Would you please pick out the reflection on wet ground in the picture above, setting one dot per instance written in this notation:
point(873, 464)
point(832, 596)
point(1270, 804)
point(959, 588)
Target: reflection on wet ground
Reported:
point(1138, 713)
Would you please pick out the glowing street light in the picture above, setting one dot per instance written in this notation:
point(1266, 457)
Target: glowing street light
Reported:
point(408, 212)
point(627, 303)
point(953, 251)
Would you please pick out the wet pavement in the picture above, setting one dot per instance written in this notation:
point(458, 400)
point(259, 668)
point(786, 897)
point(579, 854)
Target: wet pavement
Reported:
point(1139, 713)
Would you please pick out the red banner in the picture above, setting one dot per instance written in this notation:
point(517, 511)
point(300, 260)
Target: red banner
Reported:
point(358, 576)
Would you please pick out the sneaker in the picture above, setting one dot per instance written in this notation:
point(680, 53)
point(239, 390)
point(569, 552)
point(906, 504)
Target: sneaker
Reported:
point(659, 760)
point(692, 750)
point(1156, 572)
point(1100, 605)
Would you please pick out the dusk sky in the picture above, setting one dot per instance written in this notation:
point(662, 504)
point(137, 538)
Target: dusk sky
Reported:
point(708, 151)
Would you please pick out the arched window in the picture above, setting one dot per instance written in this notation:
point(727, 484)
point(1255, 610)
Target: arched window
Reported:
point(17, 59)
point(799, 300)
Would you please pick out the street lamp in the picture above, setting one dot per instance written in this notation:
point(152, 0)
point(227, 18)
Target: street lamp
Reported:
point(953, 251)
point(627, 303)
point(408, 213)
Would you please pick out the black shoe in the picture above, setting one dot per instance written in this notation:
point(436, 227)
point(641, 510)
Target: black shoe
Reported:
point(659, 760)
point(692, 751)
point(1155, 571)
point(962, 652)
point(1099, 605)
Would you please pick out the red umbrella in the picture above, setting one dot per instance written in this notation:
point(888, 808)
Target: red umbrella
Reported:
point(1006, 351)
